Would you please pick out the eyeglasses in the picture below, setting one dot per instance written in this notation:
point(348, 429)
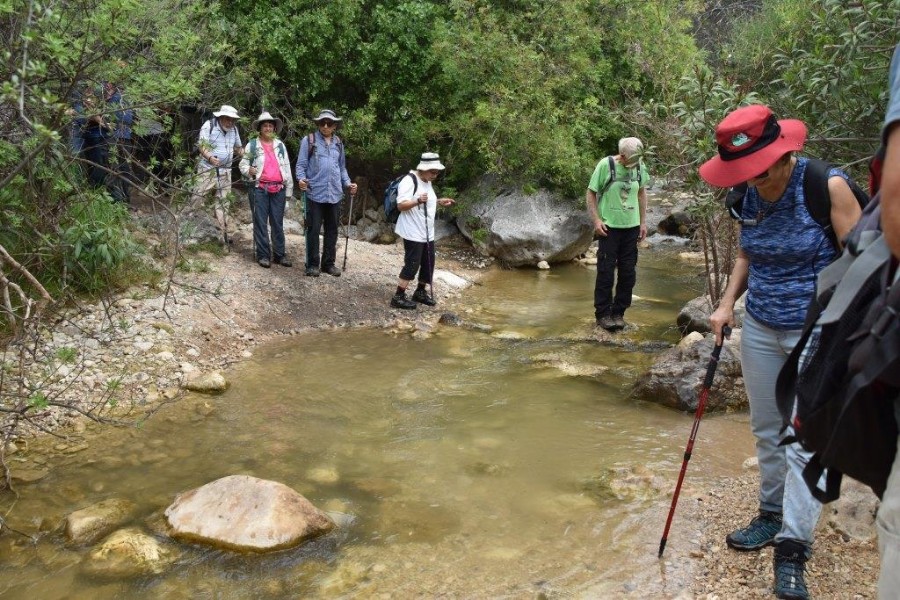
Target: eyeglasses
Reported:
point(327, 123)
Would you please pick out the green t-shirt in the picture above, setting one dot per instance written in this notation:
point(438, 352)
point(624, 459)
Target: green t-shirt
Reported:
point(619, 205)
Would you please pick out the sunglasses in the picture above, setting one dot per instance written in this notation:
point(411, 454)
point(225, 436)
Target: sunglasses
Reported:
point(327, 123)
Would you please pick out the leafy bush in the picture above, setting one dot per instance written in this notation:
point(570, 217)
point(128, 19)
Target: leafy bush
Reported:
point(100, 251)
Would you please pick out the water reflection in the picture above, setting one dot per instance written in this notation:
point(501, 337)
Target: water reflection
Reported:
point(471, 464)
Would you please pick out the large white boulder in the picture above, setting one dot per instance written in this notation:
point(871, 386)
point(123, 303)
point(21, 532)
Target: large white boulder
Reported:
point(245, 513)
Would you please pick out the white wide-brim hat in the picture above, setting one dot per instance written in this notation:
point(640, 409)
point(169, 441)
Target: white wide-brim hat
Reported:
point(265, 116)
point(430, 161)
point(227, 111)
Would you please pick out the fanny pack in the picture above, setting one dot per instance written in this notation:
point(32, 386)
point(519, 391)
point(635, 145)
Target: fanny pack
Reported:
point(270, 187)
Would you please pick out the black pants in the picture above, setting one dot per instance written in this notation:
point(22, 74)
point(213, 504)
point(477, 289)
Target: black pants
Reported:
point(417, 257)
point(616, 252)
point(318, 213)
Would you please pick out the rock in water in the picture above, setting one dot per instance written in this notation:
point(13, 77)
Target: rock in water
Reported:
point(129, 553)
point(245, 513)
point(89, 524)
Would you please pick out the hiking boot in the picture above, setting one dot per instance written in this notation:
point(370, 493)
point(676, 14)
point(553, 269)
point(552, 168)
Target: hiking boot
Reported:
point(401, 301)
point(332, 270)
point(758, 534)
point(264, 263)
point(312, 271)
point(619, 322)
point(608, 323)
point(422, 297)
point(790, 562)
point(284, 261)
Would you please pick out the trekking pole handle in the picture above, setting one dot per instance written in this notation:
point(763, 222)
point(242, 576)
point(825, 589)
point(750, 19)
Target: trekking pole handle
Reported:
point(714, 359)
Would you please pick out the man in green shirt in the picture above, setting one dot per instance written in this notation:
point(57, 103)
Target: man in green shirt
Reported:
point(617, 203)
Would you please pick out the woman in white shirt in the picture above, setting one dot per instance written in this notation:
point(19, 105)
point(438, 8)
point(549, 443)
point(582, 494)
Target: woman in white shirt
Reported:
point(418, 202)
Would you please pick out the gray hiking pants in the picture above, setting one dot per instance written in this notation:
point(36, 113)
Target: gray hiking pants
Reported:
point(888, 525)
point(781, 487)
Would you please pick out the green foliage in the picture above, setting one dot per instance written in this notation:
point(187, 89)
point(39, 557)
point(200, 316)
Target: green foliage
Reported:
point(66, 355)
point(101, 251)
point(824, 62)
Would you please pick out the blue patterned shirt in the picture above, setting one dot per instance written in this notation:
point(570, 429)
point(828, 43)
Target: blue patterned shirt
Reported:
point(787, 249)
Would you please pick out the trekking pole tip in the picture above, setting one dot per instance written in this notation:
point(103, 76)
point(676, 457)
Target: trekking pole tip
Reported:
point(662, 547)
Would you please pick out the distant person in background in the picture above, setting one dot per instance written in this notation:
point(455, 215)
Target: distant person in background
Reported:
point(888, 520)
point(219, 142)
point(418, 202)
point(266, 164)
point(95, 134)
point(782, 250)
point(322, 174)
point(121, 119)
point(617, 204)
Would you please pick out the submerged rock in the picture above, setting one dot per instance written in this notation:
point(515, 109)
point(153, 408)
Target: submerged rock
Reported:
point(245, 513)
point(129, 553)
point(207, 383)
point(88, 525)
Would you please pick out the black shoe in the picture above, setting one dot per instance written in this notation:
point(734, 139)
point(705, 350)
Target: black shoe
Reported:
point(401, 301)
point(312, 271)
point(790, 562)
point(264, 263)
point(608, 323)
point(284, 261)
point(758, 534)
point(619, 322)
point(332, 270)
point(422, 297)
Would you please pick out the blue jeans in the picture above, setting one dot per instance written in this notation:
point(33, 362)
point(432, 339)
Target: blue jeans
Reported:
point(268, 211)
point(781, 487)
point(888, 525)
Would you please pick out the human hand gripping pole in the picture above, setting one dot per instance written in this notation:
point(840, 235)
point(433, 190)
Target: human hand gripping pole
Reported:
point(701, 405)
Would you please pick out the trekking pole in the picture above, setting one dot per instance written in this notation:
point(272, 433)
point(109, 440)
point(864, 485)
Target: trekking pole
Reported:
point(306, 226)
point(221, 202)
point(701, 404)
point(347, 232)
point(428, 264)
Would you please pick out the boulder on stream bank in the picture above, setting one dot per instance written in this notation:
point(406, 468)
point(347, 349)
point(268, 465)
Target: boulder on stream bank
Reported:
point(676, 378)
point(244, 513)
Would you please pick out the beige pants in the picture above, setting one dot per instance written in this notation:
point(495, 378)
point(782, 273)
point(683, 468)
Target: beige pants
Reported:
point(213, 180)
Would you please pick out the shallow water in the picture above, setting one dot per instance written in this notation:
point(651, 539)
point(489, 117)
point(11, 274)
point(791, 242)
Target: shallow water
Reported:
point(467, 464)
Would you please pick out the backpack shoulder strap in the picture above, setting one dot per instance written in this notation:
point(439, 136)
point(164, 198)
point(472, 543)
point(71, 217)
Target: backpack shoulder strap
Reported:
point(415, 181)
point(311, 139)
point(612, 178)
point(815, 191)
point(253, 143)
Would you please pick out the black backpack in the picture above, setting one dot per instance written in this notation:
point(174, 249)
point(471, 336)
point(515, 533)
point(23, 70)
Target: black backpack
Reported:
point(845, 370)
point(612, 177)
point(815, 194)
point(391, 212)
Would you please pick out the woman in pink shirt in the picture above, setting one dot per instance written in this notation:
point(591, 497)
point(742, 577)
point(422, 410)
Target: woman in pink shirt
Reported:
point(266, 165)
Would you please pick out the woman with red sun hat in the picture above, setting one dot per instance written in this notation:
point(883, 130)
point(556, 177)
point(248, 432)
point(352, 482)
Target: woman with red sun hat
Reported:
point(782, 250)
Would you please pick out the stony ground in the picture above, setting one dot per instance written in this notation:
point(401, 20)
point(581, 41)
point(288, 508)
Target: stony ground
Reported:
point(220, 307)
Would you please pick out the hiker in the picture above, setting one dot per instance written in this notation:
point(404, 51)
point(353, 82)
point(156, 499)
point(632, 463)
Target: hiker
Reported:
point(617, 204)
point(219, 141)
point(95, 133)
point(265, 163)
point(418, 202)
point(121, 119)
point(322, 174)
point(782, 249)
point(888, 519)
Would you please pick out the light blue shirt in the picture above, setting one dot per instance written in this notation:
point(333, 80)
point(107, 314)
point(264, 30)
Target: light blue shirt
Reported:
point(325, 171)
point(222, 143)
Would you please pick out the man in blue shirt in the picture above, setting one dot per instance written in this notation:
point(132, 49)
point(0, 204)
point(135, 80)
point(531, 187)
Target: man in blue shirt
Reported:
point(322, 173)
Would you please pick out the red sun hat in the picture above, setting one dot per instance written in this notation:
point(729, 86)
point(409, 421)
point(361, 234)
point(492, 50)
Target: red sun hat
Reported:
point(750, 141)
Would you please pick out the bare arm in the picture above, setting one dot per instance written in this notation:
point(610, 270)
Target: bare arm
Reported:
point(737, 285)
point(591, 200)
point(890, 191)
point(845, 209)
